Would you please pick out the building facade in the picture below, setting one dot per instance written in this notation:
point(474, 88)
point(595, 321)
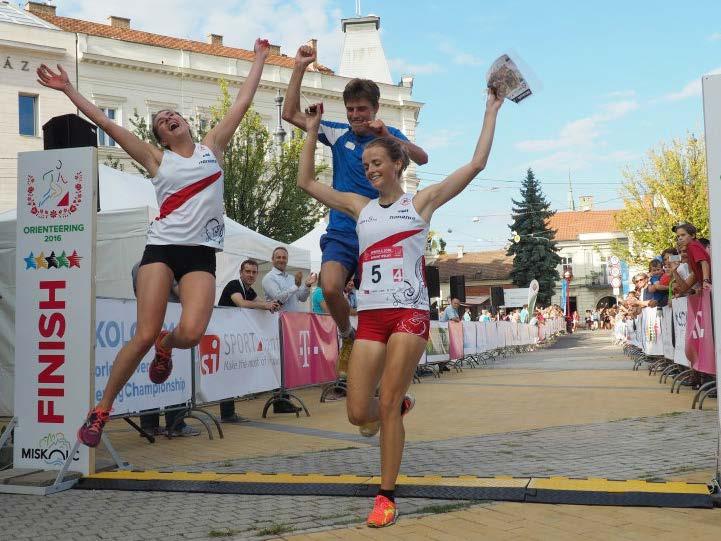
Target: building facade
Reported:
point(126, 71)
point(584, 240)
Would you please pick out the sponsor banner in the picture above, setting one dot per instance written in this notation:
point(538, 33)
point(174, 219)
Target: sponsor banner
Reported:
point(437, 347)
point(116, 322)
point(667, 332)
point(455, 340)
point(679, 307)
point(54, 312)
point(239, 354)
point(532, 296)
point(516, 297)
point(310, 349)
point(699, 333)
point(652, 343)
point(470, 337)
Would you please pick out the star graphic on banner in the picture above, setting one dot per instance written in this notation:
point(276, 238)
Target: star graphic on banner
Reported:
point(30, 262)
point(52, 260)
point(74, 259)
point(40, 261)
point(63, 260)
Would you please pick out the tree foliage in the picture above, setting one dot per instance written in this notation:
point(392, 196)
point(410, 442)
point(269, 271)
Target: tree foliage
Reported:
point(260, 176)
point(534, 251)
point(669, 187)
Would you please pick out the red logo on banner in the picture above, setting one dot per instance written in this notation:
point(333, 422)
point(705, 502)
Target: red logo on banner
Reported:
point(398, 275)
point(310, 349)
point(699, 333)
point(209, 350)
point(55, 195)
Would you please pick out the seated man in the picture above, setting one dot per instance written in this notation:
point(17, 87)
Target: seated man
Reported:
point(240, 293)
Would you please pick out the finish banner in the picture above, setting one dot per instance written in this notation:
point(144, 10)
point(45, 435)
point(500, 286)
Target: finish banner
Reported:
point(310, 349)
point(54, 314)
point(239, 354)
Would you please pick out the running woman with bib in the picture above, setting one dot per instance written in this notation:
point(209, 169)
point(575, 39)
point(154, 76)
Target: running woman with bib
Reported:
point(393, 318)
point(182, 240)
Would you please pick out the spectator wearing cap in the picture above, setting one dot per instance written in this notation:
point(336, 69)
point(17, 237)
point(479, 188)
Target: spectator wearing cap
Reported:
point(699, 260)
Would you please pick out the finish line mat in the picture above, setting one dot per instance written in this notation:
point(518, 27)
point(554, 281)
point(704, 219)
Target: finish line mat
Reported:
point(516, 489)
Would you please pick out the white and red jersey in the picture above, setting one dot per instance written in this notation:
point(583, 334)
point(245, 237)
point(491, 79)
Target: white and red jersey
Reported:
point(392, 243)
point(190, 198)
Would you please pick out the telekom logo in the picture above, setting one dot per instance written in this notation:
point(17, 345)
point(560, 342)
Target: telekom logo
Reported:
point(306, 349)
point(209, 350)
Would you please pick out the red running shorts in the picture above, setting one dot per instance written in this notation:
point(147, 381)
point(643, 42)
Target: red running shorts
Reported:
point(378, 325)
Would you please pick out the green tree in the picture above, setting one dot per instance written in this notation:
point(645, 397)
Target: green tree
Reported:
point(533, 249)
point(260, 177)
point(669, 187)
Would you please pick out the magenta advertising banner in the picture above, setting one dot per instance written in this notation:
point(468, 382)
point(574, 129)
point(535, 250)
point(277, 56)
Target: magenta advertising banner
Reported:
point(699, 333)
point(455, 339)
point(310, 349)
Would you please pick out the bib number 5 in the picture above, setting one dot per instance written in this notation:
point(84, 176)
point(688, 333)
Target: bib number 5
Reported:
point(376, 274)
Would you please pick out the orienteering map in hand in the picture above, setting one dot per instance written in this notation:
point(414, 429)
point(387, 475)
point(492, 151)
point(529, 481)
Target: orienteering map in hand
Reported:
point(506, 79)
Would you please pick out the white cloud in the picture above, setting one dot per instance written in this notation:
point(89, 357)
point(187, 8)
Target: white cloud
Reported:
point(438, 139)
point(716, 36)
point(621, 94)
point(288, 23)
point(692, 89)
point(458, 56)
point(404, 67)
point(578, 143)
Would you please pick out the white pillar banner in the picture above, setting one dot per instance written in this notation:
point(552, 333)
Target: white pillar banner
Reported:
point(55, 305)
point(667, 332)
point(680, 306)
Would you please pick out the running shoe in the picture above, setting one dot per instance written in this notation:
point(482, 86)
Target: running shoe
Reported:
point(162, 364)
point(344, 355)
point(92, 429)
point(385, 513)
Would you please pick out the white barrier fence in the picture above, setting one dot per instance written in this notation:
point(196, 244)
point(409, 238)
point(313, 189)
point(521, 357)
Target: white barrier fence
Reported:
point(658, 332)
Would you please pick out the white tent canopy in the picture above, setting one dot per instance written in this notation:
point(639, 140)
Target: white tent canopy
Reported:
point(128, 204)
point(311, 242)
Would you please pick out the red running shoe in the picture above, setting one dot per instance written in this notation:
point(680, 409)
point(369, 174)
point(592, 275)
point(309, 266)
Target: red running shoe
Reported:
point(162, 364)
point(385, 513)
point(92, 429)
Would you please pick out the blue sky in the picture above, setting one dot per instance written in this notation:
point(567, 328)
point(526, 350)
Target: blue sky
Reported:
point(617, 79)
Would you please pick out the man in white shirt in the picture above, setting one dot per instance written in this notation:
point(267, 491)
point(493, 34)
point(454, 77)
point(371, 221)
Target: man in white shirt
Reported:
point(281, 287)
point(451, 311)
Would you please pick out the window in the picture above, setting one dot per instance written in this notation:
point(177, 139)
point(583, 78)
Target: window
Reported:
point(104, 140)
point(567, 263)
point(28, 114)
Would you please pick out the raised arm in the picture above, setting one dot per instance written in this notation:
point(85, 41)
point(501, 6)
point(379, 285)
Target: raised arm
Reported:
point(429, 199)
point(219, 137)
point(347, 202)
point(147, 155)
point(292, 113)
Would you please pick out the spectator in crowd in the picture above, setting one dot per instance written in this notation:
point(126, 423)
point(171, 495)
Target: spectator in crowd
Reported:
point(317, 300)
point(680, 272)
point(350, 296)
point(655, 289)
point(288, 291)
point(589, 320)
point(485, 316)
point(467, 314)
point(451, 311)
point(240, 293)
point(524, 315)
point(150, 422)
point(699, 259)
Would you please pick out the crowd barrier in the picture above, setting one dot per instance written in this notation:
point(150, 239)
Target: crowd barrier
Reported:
point(247, 352)
point(676, 342)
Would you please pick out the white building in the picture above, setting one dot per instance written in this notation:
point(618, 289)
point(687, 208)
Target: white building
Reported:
point(124, 70)
point(584, 240)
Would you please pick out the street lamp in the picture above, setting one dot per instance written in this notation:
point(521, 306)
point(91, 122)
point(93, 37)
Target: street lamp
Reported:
point(568, 276)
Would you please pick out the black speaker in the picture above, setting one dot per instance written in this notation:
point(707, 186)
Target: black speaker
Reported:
point(69, 131)
point(497, 298)
point(458, 288)
point(433, 282)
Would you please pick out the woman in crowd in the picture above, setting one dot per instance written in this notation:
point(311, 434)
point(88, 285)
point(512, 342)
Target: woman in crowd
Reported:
point(182, 240)
point(393, 319)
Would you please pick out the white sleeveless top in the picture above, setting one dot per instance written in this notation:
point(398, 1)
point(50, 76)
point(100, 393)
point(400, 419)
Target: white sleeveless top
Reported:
point(392, 243)
point(190, 197)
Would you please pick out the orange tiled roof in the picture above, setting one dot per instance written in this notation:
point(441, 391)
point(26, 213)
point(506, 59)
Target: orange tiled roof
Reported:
point(570, 224)
point(157, 40)
point(492, 265)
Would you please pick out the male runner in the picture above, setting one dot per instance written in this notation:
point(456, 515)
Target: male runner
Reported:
point(347, 141)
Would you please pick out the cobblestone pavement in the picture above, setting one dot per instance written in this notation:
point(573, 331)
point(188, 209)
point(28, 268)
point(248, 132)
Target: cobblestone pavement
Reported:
point(656, 447)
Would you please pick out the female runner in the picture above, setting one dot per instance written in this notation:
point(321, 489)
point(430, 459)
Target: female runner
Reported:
point(393, 318)
point(182, 240)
